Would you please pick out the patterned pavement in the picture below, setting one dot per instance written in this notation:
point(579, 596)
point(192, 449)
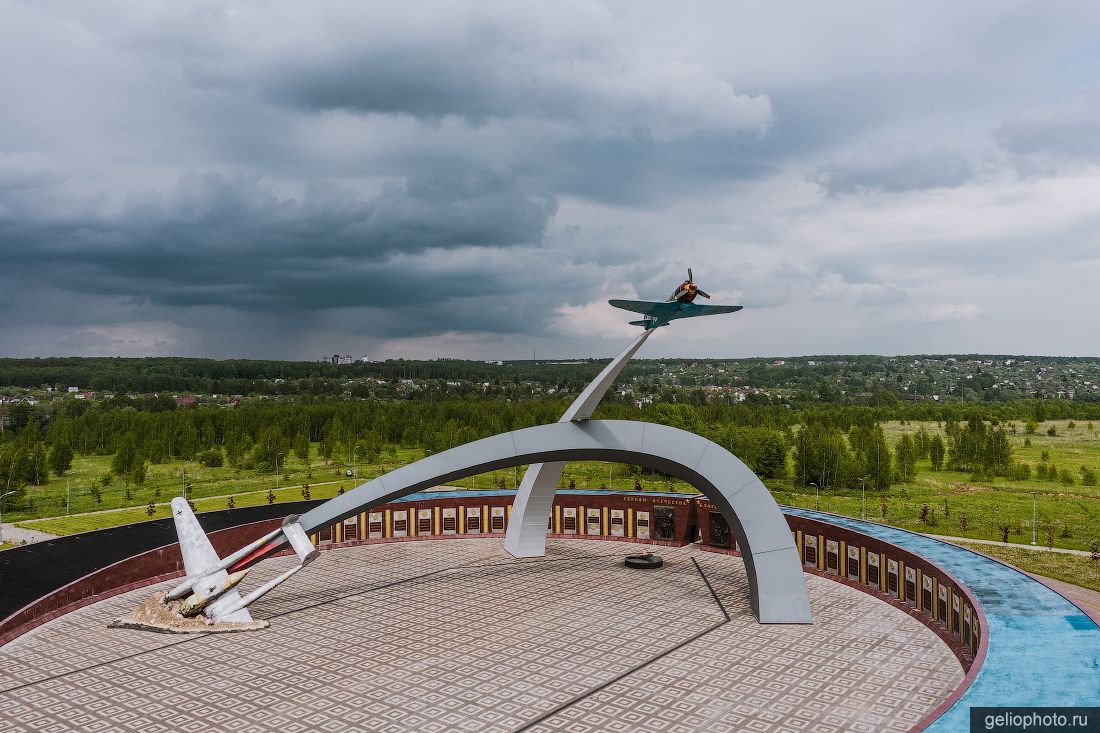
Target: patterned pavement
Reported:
point(456, 636)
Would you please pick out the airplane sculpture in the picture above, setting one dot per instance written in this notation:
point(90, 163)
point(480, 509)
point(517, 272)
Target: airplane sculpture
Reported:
point(679, 305)
point(211, 583)
point(210, 586)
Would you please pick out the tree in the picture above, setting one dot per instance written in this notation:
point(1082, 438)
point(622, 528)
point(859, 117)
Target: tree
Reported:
point(1031, 426)
point(61, 458)
point(936, 452)
point(301, 447)
point(822, 456)
point(905, 458)
point(126, 455)
point(872, 458)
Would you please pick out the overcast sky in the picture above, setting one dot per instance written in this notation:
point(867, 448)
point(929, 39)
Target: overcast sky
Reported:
point(476, 179)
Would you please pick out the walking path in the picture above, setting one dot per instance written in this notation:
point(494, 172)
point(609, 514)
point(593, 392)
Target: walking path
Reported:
point(17, 535)
point(1020, 545)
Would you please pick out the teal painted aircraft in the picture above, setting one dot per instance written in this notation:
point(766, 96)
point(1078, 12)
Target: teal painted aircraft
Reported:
point(679, 305)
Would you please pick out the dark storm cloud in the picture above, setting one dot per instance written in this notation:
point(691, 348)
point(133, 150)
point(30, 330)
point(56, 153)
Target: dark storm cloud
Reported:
point(249, 178)
point(232, 241)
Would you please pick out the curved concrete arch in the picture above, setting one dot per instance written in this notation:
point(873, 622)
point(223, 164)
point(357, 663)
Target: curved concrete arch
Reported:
point(777, 588)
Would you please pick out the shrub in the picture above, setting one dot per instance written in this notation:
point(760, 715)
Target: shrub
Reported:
point(211, 458)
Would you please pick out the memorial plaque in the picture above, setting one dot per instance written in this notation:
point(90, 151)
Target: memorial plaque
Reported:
point(496, 519)
point(618, 523)
point(966, 627)
point(892, 577)
point(955, 614)
point(450, 520)
point(873, 570)
point(401, 523)
point(832, 556)
point(642, 521)
point(809, 554)
point(569, 520)
point(853, 563)
point(351, 528)
point(374, 525)
point(423, 522)
point(910, 586)
point(664, 523)
point(719, 530)
point(926, 594)
point(941, 606)
point(473, 520)
point(592, 521)
point(325, 535)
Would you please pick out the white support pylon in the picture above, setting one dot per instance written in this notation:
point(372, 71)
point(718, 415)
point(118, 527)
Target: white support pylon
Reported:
point(526, 535)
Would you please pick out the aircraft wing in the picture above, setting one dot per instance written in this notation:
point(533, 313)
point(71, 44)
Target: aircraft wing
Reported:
point(663, 312)
point(645, 307)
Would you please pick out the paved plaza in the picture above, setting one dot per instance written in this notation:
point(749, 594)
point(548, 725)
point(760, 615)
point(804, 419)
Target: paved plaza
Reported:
point(457, 636)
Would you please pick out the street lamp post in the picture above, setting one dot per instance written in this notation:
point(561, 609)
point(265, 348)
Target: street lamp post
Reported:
point(862, 499)
point(817, 497)
point(1033, 517)
point(610, 474)
point(2, 497)
point(277, 456)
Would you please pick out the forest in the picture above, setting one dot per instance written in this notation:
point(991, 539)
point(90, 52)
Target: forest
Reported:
point(828, 446)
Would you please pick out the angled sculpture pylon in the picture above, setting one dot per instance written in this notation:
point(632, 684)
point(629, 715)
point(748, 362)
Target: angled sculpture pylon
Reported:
point(526, 536)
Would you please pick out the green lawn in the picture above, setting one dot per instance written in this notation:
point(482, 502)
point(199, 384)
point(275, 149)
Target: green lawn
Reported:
point(957, 506)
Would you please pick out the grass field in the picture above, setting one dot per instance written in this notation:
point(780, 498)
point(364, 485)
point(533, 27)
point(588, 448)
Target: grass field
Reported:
point(210, 488)
point(1076, 569)
point(957, 506)
point(1068, 515)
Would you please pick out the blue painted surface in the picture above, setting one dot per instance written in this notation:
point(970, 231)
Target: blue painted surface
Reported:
point(1043, 650)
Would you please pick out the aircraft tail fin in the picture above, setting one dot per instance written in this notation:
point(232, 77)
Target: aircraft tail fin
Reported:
point(203, 567)
point(198, 553)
